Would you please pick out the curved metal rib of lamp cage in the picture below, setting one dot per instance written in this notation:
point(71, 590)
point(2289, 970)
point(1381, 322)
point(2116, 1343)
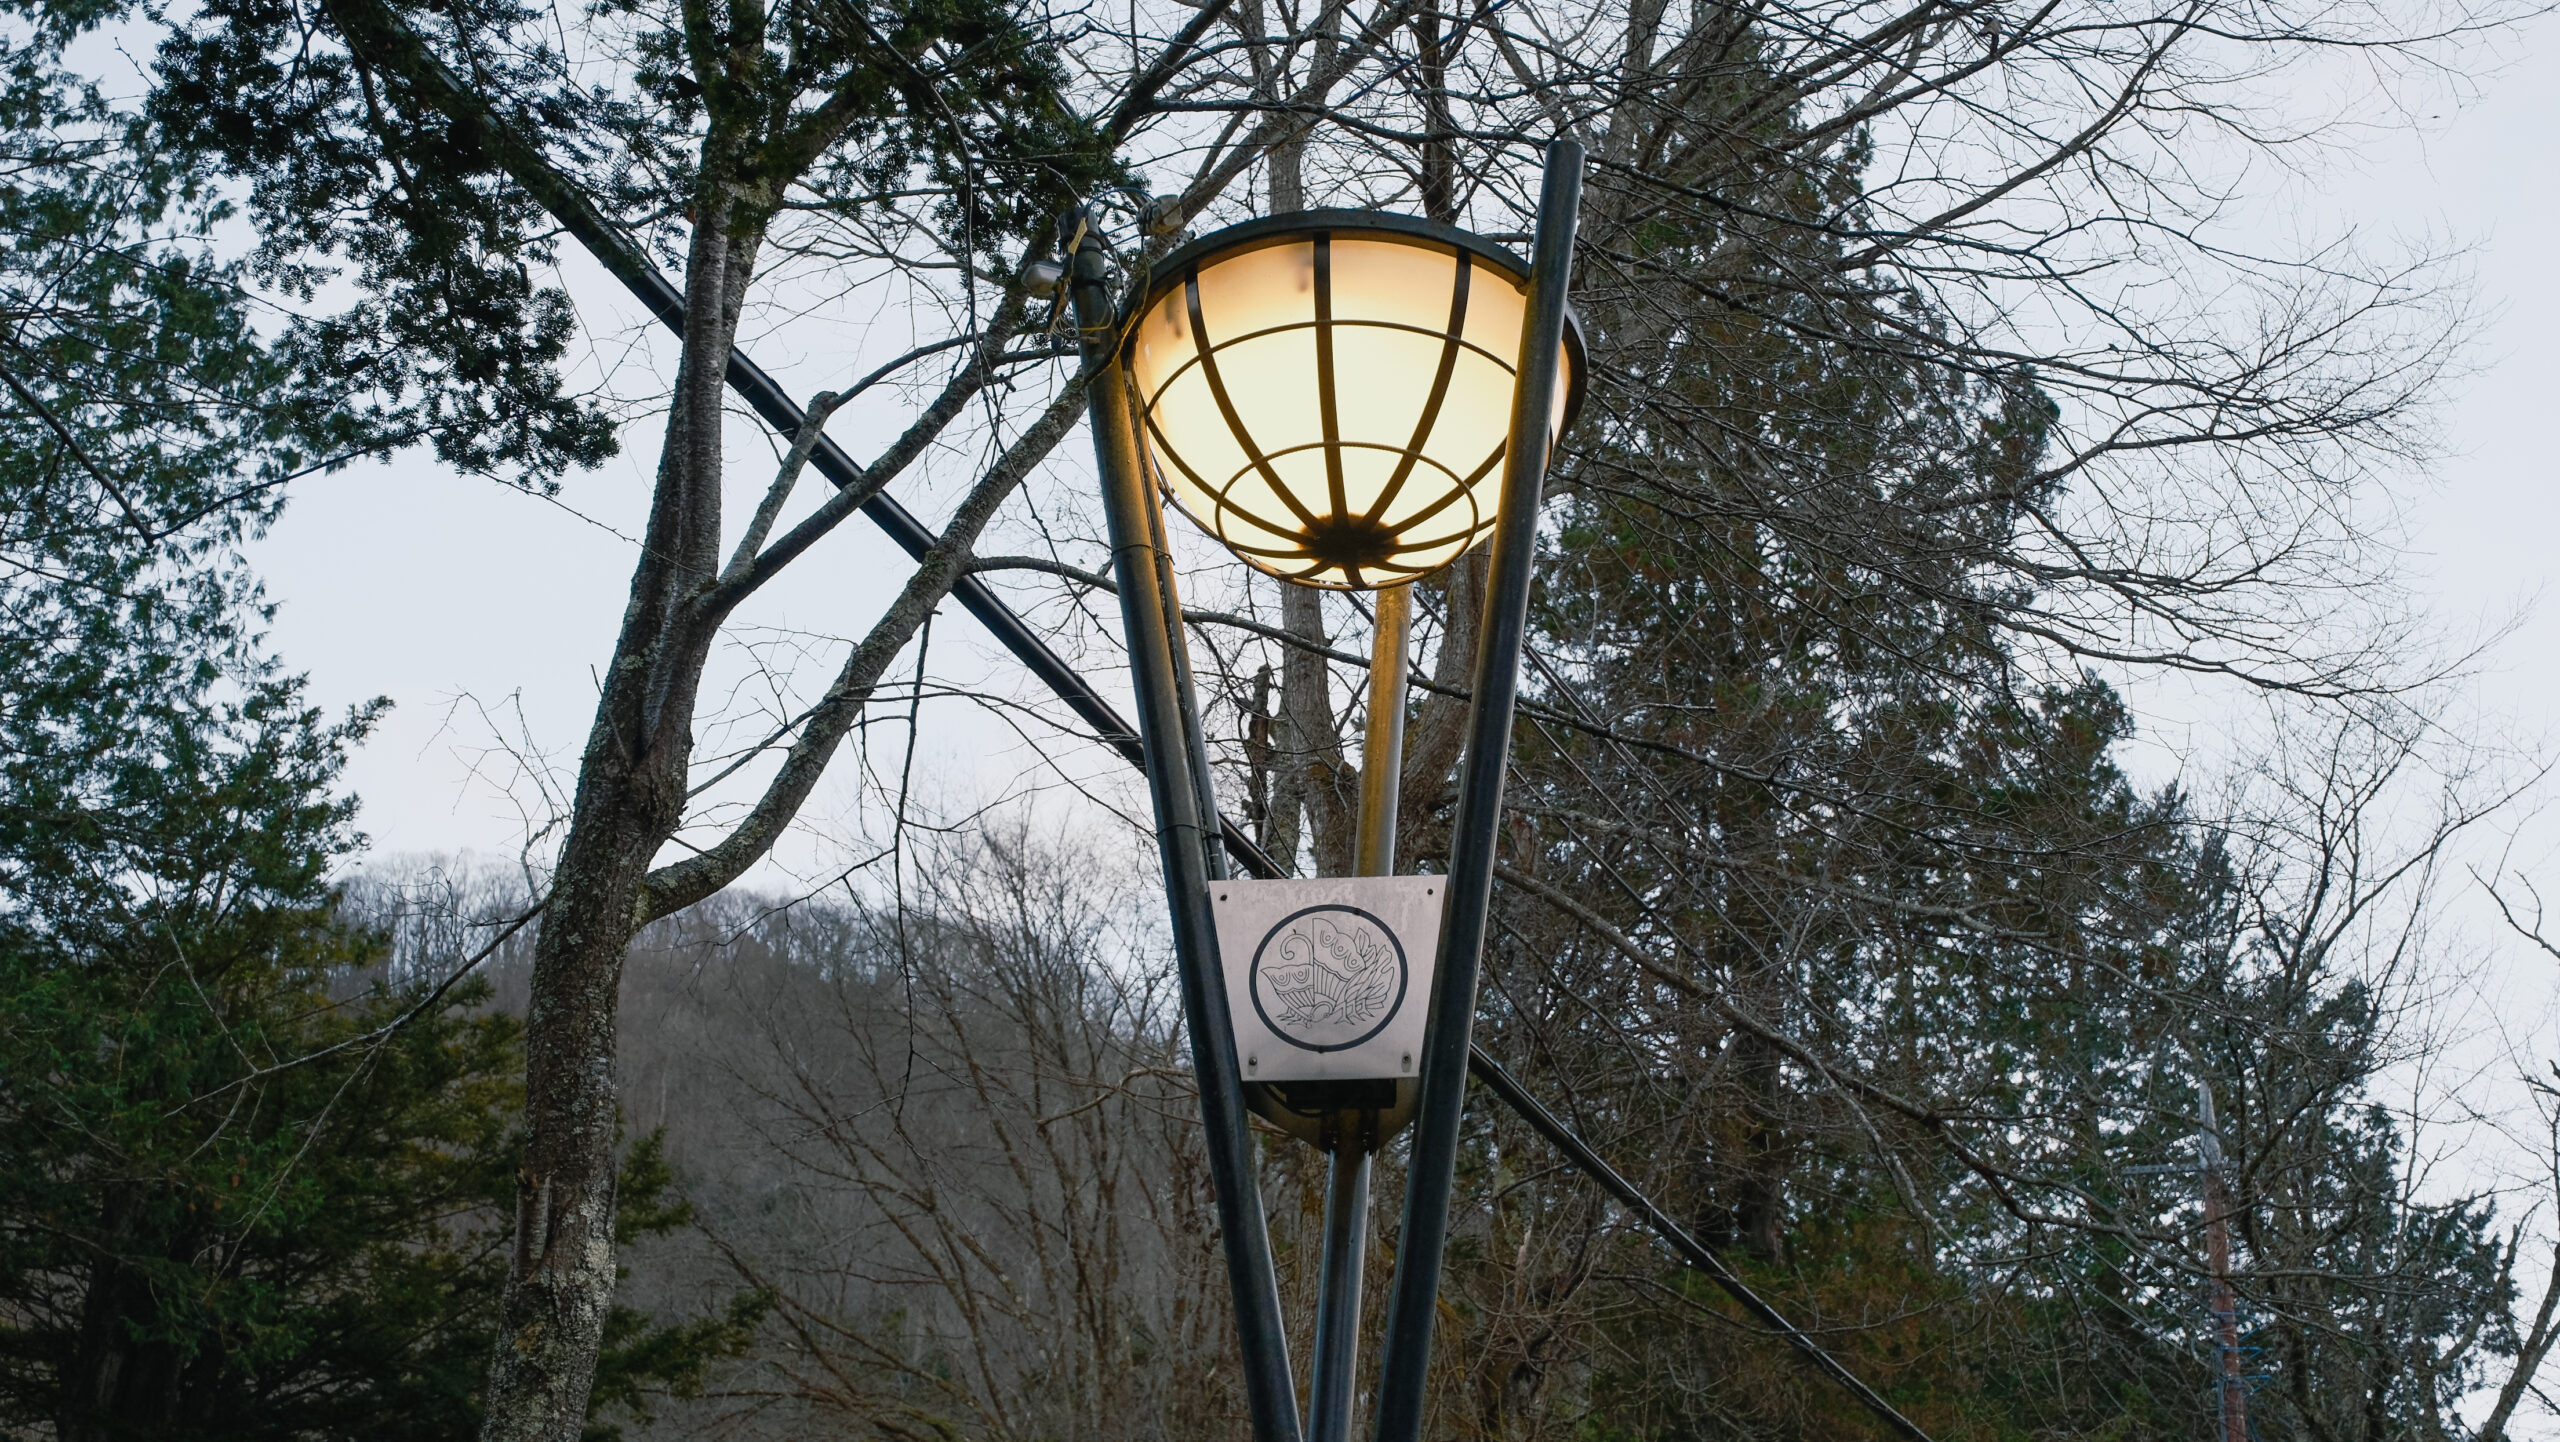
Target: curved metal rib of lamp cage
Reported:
point(1329, 393)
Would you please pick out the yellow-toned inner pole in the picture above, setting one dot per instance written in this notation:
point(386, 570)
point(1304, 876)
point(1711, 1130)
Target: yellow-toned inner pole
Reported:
point(1346, 1211)
point(1382, 751)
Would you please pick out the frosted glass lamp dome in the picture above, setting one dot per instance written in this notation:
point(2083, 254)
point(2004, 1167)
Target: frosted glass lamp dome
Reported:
point(1329, 393)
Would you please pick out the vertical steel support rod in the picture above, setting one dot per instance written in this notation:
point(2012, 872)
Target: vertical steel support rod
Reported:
point(1346, 1244)
point(1474, 830)
point(1181, 834)
point(1382, 750)
point(2226, 1308)
point(1195, 742)
point(1336, 1366)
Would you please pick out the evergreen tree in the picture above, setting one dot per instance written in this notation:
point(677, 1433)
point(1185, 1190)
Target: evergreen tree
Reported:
point(1830, 899)
point(239, 1201)
point(257, 1179)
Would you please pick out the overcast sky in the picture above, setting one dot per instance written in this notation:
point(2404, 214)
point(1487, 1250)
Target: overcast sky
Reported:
point(482, 612)
point(451, 594)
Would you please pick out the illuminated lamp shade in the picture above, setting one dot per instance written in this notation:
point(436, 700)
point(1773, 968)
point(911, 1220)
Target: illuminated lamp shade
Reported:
point(1329, 392)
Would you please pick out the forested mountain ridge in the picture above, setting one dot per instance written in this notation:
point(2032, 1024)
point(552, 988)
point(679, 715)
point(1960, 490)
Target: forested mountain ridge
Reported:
point(957, 1148)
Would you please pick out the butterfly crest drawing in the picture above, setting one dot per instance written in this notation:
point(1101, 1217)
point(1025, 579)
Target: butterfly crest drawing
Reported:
point(1328, 977)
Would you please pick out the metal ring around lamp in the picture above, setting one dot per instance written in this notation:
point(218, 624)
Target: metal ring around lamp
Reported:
point(1329, 392)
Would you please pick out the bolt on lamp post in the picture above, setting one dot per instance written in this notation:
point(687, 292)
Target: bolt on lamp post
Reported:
point(1349, 400)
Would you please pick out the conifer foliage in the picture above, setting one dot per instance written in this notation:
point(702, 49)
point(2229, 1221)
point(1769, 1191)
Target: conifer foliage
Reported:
point(237, 1200)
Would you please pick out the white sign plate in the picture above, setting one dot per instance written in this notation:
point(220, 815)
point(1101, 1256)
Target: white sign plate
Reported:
point(1328, 978)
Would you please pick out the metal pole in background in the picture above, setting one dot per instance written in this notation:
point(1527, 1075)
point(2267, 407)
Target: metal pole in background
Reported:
point(2226, 1308)
point(1475, 830)
point(1181, 837)
point(1336, 1365)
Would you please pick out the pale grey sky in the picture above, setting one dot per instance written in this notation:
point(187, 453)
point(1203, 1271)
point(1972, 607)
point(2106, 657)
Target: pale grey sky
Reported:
point(452, 594)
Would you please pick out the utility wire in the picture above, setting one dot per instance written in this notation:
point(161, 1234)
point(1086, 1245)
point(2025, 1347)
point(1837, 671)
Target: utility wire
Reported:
point(1504, 1085)
point(1499, 1080)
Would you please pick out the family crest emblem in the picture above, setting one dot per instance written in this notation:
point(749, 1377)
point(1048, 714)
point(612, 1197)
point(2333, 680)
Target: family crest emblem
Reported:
point(1328, 977)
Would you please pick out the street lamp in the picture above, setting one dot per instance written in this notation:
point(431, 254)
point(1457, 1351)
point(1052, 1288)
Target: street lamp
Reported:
point(1329, 392)
point(1347, 400)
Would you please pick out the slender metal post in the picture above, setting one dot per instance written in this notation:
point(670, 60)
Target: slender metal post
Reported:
point(1474, 831)
point(1336, 1366)
point(2226, 1307)
point(1270, 1395)
point(1346, 1244)
point(1382, 750)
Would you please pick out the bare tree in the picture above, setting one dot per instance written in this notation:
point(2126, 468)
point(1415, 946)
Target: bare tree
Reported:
point(958, 1148)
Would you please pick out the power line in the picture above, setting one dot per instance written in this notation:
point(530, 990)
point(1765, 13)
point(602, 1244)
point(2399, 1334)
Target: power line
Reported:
point(1691, 1250)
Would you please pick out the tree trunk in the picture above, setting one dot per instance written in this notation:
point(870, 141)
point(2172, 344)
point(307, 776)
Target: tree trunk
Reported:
point(118, 1384)
point(1331, 784)
point(561, 1283)
point(629, 799)
point(1437, 734)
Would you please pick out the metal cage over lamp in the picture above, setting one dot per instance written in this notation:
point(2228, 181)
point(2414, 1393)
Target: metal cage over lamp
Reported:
point(1329, 393)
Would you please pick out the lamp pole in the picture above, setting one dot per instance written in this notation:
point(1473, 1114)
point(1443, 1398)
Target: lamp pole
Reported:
point(1167, 731)
point(1346, 1202)
point(1309, 405)
point(1475, 830)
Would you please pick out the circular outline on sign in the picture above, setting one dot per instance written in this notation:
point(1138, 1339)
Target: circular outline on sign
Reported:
point(1253, 977)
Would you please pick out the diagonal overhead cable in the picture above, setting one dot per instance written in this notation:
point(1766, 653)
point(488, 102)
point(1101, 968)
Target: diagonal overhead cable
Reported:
point(778, 411)
point(381, 40)
point(1499, 1080)
point(384, 42)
